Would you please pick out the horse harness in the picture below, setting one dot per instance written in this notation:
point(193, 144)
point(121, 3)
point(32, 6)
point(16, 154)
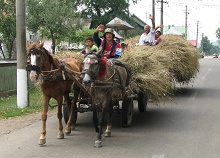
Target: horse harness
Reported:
point(51, 75)
point(112, 64)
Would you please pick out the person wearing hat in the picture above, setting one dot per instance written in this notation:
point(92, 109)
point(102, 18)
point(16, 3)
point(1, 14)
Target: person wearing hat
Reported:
point(108, 46)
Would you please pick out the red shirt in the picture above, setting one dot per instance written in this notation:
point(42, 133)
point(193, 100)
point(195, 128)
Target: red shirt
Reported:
point(157, 40)
point(107, 51)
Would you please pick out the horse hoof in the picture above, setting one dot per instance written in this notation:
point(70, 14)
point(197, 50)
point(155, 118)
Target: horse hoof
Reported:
point(67, 131)
point(42, 142)
point(107, 134)
point(72, 128)
point(60, 136)
point(98, 144)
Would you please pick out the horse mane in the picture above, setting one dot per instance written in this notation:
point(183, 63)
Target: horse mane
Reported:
point(47, 53)
point(50, 57)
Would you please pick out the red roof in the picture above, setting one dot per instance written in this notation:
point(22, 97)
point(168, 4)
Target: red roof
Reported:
point(193, 42)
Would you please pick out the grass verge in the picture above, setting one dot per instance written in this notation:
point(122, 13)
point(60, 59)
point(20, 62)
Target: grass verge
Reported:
point(9, 108)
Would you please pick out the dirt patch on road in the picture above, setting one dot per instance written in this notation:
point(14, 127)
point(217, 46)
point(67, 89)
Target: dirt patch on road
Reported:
point(14, 123)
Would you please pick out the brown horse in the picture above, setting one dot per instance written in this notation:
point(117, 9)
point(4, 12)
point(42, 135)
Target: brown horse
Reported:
point(108, 81)
point(54, 84)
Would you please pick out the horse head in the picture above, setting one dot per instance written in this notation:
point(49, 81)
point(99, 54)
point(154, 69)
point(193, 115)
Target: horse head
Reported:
point(93, 67)
point(35, 54)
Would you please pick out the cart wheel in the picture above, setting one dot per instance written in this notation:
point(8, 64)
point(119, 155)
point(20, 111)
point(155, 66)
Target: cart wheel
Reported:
point(66, 115)
point(127, 112)
point(142, 101)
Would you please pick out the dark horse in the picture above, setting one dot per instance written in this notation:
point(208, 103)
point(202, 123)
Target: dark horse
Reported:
point(54, 84)
point(108, 81)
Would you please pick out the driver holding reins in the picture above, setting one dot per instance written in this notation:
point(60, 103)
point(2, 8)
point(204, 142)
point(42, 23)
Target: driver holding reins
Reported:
point(108, 46)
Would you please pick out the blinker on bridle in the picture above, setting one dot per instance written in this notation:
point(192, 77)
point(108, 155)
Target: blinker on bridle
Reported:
point(35, 52)
point(30, 67)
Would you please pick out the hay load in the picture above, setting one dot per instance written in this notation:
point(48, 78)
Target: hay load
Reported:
point(156, 69)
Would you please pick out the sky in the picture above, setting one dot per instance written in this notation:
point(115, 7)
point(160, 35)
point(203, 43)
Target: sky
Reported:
point(205, 13)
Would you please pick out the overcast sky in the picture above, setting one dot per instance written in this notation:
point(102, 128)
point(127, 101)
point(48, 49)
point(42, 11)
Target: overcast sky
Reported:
point(205, 12)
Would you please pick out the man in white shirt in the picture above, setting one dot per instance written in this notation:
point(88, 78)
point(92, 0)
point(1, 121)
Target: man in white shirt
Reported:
point(148, 37)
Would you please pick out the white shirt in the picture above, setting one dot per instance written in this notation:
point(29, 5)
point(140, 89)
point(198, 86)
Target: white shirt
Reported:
point(150, 37)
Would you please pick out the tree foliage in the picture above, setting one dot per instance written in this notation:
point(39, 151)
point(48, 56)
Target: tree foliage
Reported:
point(102, 11)
point(8, 25)
point(208, 48)
point(218, 33)
point(54, 16)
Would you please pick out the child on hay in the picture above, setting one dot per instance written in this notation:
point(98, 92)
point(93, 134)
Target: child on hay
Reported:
point(148, 37)
point(90, 45)
point(157, 37)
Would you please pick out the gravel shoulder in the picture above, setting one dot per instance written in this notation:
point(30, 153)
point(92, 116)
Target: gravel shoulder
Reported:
point(15, 123)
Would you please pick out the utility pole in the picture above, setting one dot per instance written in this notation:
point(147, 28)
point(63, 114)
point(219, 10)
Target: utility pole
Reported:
point(202, 43)
point(153, 9)
point(197, 33)
point(161, 14)
point(146, 17)
point(22, 94)
point(186, 23)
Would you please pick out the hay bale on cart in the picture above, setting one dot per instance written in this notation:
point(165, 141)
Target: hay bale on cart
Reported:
point(156, 69)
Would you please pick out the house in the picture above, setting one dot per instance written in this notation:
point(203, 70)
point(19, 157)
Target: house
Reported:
point(174, 31)
point(140, 23)
point(193, 42)
point(178, 30)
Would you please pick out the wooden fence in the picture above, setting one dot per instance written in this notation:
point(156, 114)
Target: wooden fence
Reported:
point(8, 77)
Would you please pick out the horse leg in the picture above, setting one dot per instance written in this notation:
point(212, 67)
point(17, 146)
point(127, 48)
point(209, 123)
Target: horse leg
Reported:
point(72, 112)
point(69, 123)
point(95, 120)
point(60, 134)
point(42, 139)
point(101, 116)
point(109, 124)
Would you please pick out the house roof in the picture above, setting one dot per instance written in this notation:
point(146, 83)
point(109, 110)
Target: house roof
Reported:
point(193, 42)
point(140, 22)
point(119, 24)
point(174, 31)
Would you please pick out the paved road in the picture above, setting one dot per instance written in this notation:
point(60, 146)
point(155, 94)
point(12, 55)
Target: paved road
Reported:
point(184, 126)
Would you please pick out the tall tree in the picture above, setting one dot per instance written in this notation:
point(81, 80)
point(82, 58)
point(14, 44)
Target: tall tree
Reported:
point(102, 11)
point(206, 46)
point(218, 34)
point(8, 25)
point(54, 16)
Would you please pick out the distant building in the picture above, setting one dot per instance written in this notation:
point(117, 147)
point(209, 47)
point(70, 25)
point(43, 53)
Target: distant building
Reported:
point(139, 22)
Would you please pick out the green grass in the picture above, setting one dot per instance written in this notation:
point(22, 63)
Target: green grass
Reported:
point(9, 108)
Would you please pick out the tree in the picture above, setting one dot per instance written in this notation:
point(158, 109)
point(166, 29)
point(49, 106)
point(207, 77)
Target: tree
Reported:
point(208, 48)
point(8, 25)
point(53, 16)
point(218, 34)
point(102, 11)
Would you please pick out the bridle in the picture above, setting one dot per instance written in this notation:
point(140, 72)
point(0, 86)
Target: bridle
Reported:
point(51, 74)
point(31, 66)
point(93, 61)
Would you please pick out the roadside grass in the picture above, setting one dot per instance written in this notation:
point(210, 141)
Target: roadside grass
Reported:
point(9, 108)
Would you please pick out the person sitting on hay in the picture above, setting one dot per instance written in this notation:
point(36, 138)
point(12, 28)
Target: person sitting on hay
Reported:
point(148, 37)
point(108, 46)
point(90, 46)
point(157, 37)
